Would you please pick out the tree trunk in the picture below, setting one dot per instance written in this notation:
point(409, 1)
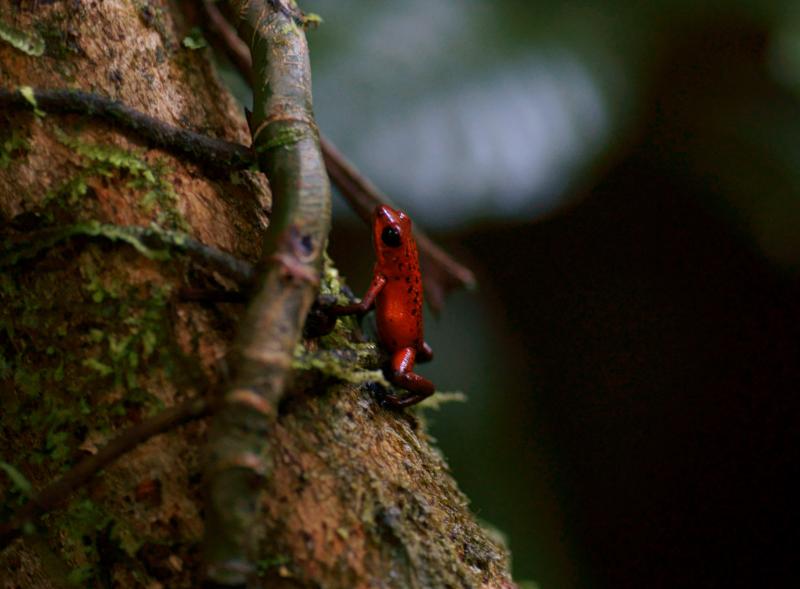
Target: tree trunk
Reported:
point(97, 334)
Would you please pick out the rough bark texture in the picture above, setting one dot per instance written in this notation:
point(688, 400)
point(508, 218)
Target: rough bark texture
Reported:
point(94, 337)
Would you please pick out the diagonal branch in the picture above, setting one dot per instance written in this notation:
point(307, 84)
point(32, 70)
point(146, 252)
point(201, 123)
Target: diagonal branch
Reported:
point(152, 242)
point(286, 139)
point(441, 273)
point(216, 154)
point(57, 492)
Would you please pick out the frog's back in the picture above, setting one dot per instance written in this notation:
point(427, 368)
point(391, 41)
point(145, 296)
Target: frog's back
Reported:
point(399, 305)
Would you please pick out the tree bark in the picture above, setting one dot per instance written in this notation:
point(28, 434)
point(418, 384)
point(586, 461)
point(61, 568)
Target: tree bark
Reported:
point(96, 337)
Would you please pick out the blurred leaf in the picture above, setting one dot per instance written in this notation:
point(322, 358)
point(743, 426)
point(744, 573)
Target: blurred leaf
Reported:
point(17, 478)
point(194, 40)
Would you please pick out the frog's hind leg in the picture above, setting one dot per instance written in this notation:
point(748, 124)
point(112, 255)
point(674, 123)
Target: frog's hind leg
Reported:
point(401, 375)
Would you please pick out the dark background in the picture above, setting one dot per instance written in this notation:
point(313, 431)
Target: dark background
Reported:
point(631, 355)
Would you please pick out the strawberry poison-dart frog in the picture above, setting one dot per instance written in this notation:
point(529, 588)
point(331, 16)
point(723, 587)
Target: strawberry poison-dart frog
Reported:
point(396, 293)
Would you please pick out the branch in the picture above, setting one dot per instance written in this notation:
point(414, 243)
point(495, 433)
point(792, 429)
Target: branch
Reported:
point(286, 139)
point(55, 493)
point(441, 273)
point(152, 242)
point(217, 154)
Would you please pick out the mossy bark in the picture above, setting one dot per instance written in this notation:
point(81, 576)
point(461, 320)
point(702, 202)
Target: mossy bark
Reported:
point(94, 336)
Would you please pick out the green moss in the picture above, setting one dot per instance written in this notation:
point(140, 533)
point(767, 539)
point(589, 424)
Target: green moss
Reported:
point(60, 375)
point(83, 521)
point(283, 138)
point(138, 336)
point(112, 162)
point(58, 42)
point(331, 286)
point(13, 147)
point(29, 42)
point(143, 240)
point(340, 356)
point(264, 565)
point(331, 283)
point(88, 528)
point(341, 364)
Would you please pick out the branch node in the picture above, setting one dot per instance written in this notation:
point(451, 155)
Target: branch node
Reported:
point(250, 399)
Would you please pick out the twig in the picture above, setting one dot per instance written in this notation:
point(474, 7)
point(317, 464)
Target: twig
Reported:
point(55, 493)
point(441, 273)
point(152, 242)
point(286, 138)
point(225, 38)
point(217, 154)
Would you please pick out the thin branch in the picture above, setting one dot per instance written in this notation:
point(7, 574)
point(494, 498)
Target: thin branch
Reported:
point(152, 242)
point(287, 140)
point(224, 37)
point(441, 273)
point(55, 493)
point(217, 154)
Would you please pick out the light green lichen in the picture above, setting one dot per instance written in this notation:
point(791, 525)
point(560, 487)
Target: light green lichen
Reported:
point(133, 236)
point(312, 19)
point(440, 398)
point(332, 283)
point(344, 364)
point(29, 42)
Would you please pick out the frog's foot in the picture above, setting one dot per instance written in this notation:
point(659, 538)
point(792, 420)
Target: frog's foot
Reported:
point(320, 321)
point(391, 401)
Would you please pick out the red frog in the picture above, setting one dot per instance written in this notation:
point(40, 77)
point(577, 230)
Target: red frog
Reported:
point(396, 292)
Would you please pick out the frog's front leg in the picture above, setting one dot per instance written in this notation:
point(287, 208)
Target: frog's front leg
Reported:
point(323, 315)
point(367, 302)
point(401, 375)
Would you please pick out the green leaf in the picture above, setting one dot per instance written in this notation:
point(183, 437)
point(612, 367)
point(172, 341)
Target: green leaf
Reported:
point(194, 40)
point(81, 575)
point(30, 96)
point(98, 366)
point(27, 94)
point(19, 480)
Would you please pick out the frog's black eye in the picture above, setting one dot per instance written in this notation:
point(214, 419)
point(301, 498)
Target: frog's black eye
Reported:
point(391, 236)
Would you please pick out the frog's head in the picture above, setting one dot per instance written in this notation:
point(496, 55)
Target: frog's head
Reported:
point(391, 233)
